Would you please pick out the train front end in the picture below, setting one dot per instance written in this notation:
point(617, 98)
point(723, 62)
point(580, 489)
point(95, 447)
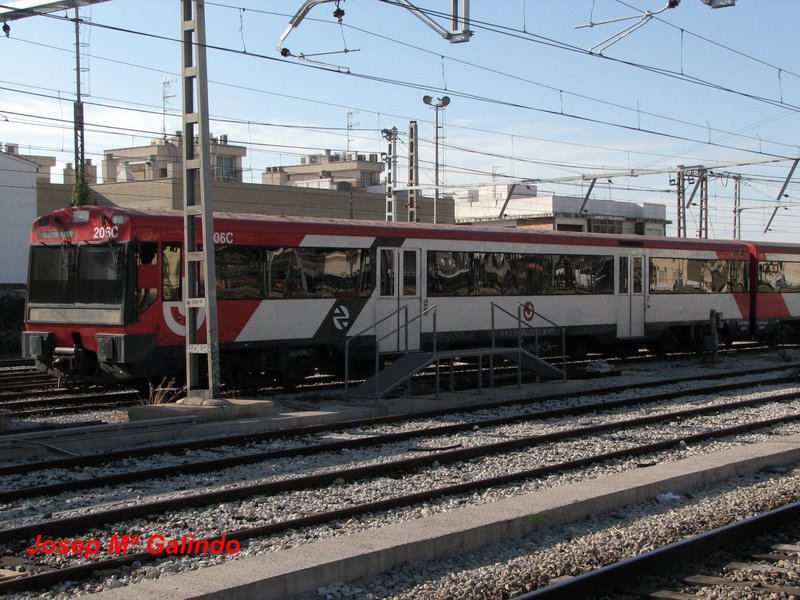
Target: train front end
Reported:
point(82, 295)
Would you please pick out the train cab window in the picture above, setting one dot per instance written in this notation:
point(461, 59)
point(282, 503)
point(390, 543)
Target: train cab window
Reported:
point(98, 274)
point(171, 271)
point(386, 273)
point(51, 274)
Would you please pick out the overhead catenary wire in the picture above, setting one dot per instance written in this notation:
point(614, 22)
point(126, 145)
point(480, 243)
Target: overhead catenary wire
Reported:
point(703, 142)
point(515, 158)
point(451, 92)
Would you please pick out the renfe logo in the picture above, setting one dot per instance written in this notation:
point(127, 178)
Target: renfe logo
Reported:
point(341, 318)
point(175, 317)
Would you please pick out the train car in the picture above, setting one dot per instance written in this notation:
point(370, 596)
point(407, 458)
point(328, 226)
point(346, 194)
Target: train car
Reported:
point(105, 291)
point(776, 292)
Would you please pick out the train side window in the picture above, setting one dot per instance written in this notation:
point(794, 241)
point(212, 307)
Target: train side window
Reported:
point(451, 273)
point(238, 272)
point(738, 276)
point(791, 277)
point(533, 274)
point(564, 274)
point(171, 271)
point(386, 273)
point(778, 276)
point(623, 274)
point(409, 273)
point(317, 272)
point(147, 255)
point(594, 274)
point(638, 274)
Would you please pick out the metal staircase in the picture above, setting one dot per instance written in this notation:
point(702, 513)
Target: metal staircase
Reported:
point(403, 368)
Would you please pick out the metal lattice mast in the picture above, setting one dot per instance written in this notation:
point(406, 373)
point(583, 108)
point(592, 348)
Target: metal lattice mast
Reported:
point(79, 187)
point(737, 207)
point(702, 232)
point(681, 184)
point(413, 171)
point(391, 173)
point(199, 264)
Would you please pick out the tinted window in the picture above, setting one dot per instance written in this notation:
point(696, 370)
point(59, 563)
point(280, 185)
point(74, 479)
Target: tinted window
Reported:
point(171, 271)
point(312, 272)
point(697, 276)
point(52, 273)
point(100, 278)
point(779, 276)
point(499, 273)
point(239, 273)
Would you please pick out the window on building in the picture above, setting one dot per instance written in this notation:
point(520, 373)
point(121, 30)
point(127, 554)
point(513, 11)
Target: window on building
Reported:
point(605, 226)
point(225, 167)
point(367, 178)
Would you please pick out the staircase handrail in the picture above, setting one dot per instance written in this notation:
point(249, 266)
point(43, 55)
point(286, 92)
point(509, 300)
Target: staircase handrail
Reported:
point(521, 322)
point(404, 325)
point(563, 336)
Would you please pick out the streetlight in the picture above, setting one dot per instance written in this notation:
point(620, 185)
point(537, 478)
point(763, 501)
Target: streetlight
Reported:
point(441, 103)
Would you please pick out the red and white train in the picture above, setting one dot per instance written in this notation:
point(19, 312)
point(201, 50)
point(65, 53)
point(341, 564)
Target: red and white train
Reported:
point(105, 290)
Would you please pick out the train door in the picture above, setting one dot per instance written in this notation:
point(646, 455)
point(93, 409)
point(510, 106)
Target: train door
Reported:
point(399, 285)
point(631, 296)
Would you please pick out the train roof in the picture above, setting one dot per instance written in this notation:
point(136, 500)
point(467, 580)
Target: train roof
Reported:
point(169, 219)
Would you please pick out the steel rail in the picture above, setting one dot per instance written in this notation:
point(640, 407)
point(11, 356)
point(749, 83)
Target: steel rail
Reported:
point(57, 404)
point(242, 439)
point(16, 362)
point(607, 579)
point(45, 579)
point(68, 525)
point(383, 439)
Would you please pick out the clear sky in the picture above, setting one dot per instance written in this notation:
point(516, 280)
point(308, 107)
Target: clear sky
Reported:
point(529, 97)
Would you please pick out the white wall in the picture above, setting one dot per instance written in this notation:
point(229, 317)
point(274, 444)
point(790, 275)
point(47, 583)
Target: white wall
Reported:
point(17, 213)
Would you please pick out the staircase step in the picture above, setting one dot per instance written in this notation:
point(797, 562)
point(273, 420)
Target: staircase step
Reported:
point(395, 374)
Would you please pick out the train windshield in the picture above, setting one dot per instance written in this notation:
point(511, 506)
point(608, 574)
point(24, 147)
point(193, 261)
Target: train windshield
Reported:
point(78, 274)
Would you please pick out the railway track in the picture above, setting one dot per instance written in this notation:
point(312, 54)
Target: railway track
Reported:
point(20, 381)
point(72, 403)
point(16, 362)
point(439, 453)
point(671, 572)
point(572, 398)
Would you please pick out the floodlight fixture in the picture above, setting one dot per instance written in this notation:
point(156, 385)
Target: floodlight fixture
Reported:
point(440, 103)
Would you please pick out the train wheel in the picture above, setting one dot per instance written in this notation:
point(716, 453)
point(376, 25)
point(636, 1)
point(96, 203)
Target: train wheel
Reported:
point(783, 334)
point(289, 383)
point(578, 348)
point(668, 344)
